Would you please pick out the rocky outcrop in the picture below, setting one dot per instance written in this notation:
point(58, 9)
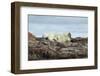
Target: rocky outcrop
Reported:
point(42, 48)
point(31, 39)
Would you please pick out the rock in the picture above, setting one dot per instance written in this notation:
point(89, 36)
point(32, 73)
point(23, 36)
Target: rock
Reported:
point(43, 48)
point(31, 39)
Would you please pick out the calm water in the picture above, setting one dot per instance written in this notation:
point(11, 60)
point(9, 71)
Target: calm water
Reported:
point(77, 26)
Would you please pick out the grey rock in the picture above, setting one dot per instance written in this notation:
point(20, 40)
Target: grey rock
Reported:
point(42, 48)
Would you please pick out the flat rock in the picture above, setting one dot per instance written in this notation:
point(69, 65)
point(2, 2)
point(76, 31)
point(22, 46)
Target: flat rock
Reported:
point(42, 48)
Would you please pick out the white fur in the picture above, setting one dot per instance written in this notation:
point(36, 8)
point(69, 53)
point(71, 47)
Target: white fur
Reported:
point(60, 37)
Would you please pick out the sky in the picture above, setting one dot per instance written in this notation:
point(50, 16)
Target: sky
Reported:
point(39, 24)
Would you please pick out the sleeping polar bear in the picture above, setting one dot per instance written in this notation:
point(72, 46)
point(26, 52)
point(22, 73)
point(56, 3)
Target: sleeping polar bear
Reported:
point(60, 37)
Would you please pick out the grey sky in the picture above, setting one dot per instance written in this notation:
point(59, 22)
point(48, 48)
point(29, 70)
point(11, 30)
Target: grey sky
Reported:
point(39, 24)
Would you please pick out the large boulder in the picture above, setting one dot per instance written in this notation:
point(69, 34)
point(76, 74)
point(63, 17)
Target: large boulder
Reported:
point(53, 48)
point(31, 39)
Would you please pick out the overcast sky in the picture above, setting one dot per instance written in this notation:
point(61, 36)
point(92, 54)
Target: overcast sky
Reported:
point(77, 26)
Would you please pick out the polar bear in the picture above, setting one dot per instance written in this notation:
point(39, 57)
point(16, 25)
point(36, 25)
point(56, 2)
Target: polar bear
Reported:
point(59, 37)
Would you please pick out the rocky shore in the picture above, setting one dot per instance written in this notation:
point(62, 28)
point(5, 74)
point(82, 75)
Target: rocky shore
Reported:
point(43, 48)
